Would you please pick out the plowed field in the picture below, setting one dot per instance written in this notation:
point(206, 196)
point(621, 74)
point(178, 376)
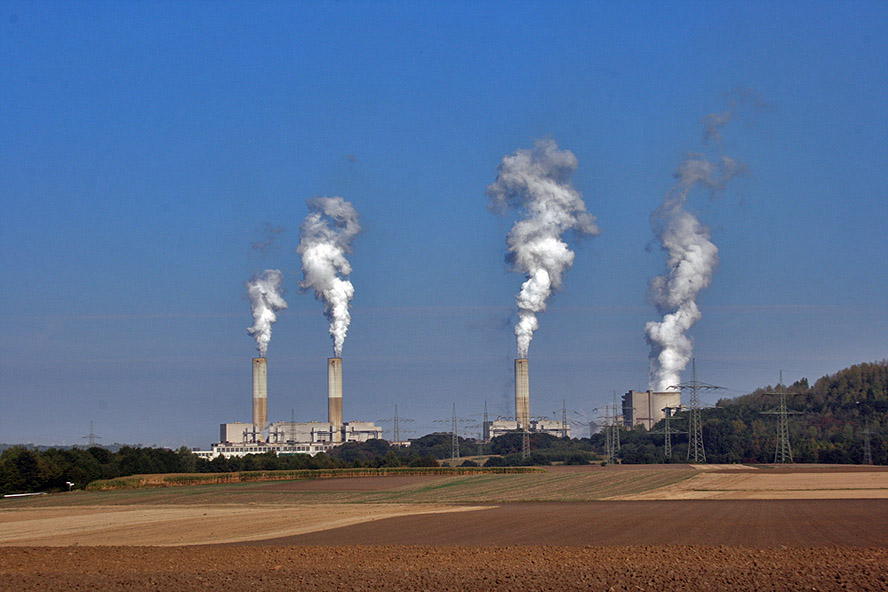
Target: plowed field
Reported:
point(466, 533)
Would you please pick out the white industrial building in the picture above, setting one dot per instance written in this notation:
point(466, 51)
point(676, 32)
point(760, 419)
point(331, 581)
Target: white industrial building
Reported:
point(500, 427)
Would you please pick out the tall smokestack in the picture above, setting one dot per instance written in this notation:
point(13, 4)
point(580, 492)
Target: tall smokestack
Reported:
point(334, 396)
point(260, 393)
point(522, 394)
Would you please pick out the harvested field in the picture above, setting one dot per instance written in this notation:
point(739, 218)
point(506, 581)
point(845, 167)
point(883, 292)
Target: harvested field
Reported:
point(443, 568)
point(376, 533)
point(742, 523)
point(188, 525)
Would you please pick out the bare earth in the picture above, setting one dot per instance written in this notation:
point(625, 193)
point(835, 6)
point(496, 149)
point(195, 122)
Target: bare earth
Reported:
point(589, 528)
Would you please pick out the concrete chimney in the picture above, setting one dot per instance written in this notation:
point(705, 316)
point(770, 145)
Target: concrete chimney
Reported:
point(522, 394)
point(260, 393)
point(334, 396)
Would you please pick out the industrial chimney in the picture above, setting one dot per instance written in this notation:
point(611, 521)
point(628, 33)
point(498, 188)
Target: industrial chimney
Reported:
point(334, 396)
point(260, 393)
point(522, 394)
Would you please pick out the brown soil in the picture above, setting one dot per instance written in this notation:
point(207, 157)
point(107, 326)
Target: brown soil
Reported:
point(302, 541)
point(742, 523)
point(443, 568)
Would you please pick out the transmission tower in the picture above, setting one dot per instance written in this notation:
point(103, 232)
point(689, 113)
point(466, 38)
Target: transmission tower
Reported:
point(91, 437)
point(867, 449)
point(696, 452)
point(485, 427)
point(783, 451)
point(397, 426)
point(612, 434)
point(563, 418)
point(454, 440)
point(667, 431)
point(525, 443)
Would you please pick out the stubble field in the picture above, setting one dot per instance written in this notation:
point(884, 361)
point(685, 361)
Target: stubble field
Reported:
point(568, 528)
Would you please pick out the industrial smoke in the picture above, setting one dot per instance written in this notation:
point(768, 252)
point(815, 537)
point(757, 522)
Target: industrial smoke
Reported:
point(691, 258)
point(266, 297)
point(536, 182)
point(325, 237)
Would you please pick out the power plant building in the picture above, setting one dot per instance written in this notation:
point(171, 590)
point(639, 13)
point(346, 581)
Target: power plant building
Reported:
point(647, 407)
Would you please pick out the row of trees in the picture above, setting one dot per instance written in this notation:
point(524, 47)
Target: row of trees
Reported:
point(28, 470)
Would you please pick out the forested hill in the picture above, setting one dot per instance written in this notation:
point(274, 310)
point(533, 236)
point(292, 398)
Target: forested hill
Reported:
point(861, 389)
point(830, 425)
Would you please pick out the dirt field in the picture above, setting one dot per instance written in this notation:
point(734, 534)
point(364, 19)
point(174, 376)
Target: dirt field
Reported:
point(389, 533)
point(443, 568)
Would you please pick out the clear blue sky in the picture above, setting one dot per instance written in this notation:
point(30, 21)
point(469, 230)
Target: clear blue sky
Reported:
point(144, 146)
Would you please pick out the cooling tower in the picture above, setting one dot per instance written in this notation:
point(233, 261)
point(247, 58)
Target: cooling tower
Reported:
point(260, 393)
point(334, 397)
point(522, 394)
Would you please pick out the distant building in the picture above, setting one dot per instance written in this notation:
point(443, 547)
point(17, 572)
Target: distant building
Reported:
point(499, 427)
point(646, 407)
point(285, 437)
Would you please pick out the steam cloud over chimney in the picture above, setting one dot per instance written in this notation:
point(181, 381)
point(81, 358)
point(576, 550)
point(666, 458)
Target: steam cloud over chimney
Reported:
point(691, 258)
point(326, 235)
point(536, 182)
point(266, 297)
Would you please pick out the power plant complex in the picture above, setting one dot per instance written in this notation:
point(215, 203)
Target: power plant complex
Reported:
point(239, 438)
point(290, 437)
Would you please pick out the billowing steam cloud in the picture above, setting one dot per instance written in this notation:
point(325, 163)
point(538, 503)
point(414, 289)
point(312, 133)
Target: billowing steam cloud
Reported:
point(537, 182)
point(691, 261)
point(325, 237)
point(266, 297)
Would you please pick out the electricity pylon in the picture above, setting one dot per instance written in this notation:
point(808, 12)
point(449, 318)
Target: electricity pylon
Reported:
point(867, 449)
point(783, 450)
point(696, 451)
point(91, 437)
point(612, 434)
point(667, 431)
point(455, 422)
point(396, 426)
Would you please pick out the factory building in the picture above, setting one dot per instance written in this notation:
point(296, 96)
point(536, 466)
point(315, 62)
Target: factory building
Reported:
point(648, 407)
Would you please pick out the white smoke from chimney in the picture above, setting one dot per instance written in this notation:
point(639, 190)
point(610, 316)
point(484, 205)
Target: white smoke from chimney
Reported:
point(691, 259)
point(266, 297)
point(537, 183)
point(325, 237)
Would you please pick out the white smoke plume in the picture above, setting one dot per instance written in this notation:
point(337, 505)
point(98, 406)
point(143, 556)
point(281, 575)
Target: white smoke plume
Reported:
point(536, 182)
point(691, 259)
point(325, 237)
point(266, 297)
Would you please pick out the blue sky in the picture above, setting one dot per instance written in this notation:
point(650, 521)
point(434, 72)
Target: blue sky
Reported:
point(145, 146)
